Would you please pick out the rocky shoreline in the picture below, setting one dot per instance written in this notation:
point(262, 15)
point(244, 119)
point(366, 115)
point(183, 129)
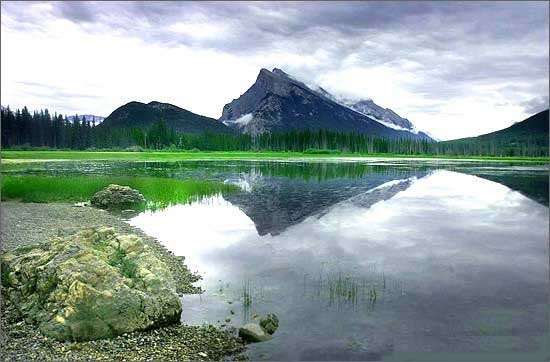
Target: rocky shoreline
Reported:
point(27, 223)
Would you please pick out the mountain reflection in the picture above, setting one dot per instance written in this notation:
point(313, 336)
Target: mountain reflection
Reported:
point(275, 203)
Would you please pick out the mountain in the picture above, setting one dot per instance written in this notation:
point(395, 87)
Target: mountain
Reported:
point(383, 115)
point(526, 138)
point(535, 126)
point(141, 115)
point(277, 102)
point(89, 117)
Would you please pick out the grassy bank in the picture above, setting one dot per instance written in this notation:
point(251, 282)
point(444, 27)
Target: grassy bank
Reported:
point(14, 156)
point(159, 192)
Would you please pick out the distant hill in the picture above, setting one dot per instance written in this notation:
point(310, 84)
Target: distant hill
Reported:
point(536, 125)
point(277, 102)
point(528, 137)
point(89, 117)
point(141, 115)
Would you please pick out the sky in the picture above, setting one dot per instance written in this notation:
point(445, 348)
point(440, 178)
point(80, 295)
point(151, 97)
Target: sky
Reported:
point(455, 69)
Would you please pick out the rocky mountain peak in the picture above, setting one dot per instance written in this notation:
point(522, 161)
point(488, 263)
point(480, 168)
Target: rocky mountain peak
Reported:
point(278, 102)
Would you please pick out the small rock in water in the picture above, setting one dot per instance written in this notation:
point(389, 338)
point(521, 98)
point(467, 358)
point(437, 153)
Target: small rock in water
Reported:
point(269, 323)
point(253, 333)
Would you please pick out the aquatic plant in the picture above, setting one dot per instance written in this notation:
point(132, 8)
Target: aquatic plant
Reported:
point(340, 289)
point(247, 294)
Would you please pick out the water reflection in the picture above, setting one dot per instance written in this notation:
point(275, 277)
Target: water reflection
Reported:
point(366, 268)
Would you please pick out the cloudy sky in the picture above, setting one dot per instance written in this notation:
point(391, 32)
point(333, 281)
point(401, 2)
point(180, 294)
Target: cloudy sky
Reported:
point(454, 69)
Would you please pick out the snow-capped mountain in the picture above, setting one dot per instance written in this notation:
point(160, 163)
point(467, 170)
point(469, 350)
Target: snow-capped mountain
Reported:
point(278, 102)
point(385, 116)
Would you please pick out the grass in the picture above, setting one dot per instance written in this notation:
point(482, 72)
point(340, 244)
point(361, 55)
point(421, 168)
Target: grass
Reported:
point(22, 156)
point(359, 292)
point(159, 192)
point(247, 294)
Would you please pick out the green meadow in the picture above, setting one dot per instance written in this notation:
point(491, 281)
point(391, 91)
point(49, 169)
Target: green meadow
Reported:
point(159, 192)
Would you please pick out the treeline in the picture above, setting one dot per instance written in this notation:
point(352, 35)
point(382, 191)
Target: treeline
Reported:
point(20, 129)
point(42, 129)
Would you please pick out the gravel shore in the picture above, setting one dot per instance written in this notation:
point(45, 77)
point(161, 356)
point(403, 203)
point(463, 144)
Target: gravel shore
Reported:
point(28, 223)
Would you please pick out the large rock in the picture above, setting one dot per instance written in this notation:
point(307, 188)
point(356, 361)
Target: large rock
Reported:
point(90, 285)
point(117, 197)
point(269, 323)
point(252, 333)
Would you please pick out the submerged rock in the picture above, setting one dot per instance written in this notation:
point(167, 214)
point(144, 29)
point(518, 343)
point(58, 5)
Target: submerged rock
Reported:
point(252, 333)
point(90, 285)
point(269, 323)
point(117, 197)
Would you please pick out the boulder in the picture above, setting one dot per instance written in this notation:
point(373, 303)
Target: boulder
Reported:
point(117, 197)
point(269, 323)
point(252, 333)
point(89, 285)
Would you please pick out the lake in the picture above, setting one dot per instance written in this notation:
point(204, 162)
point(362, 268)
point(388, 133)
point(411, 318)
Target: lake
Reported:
point(362, 260)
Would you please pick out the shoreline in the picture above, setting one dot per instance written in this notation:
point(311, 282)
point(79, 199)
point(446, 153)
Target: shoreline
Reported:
point(12, 156)
point(27, 223)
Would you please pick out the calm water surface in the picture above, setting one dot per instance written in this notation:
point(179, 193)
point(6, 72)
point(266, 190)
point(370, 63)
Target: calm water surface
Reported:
point(365, 261)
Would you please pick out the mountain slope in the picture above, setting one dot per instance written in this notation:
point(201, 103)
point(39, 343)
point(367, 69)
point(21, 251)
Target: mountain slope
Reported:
point(384, 115)
point(277, 102)
point(528, 137)
point(534, 126)
point(370, 109)
point(141, 115)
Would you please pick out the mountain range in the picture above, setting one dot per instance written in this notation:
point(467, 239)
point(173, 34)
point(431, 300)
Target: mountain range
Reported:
point(278, 102)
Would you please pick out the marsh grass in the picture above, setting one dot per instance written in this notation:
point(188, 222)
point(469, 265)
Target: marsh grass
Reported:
point(348, 289)
point(247, 294)
point(341, 290)
point(159, 192)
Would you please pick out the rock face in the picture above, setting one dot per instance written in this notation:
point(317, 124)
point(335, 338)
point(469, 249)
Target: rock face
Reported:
point(269, 323)
point(90, 285)
point(117, 197)
point(253, 333)
point(277, 102)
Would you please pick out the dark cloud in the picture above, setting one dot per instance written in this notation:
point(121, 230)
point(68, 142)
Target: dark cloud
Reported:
point(535, 105)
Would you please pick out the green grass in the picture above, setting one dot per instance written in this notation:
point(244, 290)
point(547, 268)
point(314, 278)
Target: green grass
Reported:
point(159, 192)
point(13, 156)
